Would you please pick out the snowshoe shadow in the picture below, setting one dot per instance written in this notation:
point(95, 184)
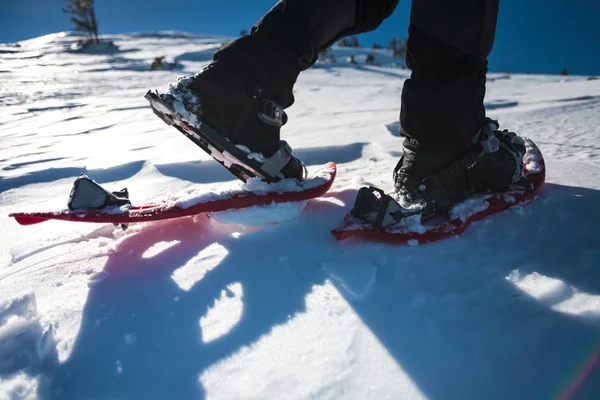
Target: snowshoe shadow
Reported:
point(454, 315)
point(511, 293)
point(141, 333)
point(556, 238)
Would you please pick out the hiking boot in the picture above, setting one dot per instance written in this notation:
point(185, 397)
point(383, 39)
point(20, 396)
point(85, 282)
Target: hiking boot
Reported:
point(430, 184)
point(242, 95)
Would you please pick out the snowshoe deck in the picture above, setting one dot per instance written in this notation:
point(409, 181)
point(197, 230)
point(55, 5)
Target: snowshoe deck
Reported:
point(458, 218)
point(283, 191)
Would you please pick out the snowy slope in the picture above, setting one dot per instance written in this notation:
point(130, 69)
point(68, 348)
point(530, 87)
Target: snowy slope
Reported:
point(192, 308)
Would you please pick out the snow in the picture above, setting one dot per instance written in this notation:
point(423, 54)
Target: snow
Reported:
point(24, 344)
point(466, 208)
point(201, 308)
point(259, 216)
point(182, 96)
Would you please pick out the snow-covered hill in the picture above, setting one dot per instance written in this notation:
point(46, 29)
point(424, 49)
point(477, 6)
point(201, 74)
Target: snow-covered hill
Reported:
point(192, 308)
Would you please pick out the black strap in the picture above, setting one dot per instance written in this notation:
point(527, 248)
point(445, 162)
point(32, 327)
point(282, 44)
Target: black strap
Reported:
point(271, 112)
point(458, 167)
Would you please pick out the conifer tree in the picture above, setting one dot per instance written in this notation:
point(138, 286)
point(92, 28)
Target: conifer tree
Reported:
point(398, 46)
point(84, 16)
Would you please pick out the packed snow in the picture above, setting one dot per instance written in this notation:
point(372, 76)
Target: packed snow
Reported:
point(213, 307)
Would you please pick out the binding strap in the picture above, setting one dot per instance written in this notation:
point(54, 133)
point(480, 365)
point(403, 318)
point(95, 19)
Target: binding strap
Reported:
point(270, 112)
point(485, 141)
point(275, 164)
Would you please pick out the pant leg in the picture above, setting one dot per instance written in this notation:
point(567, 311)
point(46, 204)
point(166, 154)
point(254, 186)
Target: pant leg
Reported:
point(309, 26)
point(468, 25)
point(442, 103)
point(289, 38)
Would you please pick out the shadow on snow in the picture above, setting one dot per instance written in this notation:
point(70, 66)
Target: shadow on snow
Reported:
point(112, 174)
point(445, 312)
point(197, 172)
point(209, 171)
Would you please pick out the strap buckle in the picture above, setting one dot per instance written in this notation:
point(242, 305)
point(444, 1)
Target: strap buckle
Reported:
point(489, 142)
point(271, 112)
point(378, 208)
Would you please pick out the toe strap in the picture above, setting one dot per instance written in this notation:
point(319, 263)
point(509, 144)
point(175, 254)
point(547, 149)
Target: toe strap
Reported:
point(275, 164)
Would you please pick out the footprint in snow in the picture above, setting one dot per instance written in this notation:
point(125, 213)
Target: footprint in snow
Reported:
point(356, 279)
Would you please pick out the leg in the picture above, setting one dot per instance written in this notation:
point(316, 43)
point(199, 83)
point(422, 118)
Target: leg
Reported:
point(261, 68)
point(289, 38)
point(447, 49)
point(310, 26)
point(442, 110)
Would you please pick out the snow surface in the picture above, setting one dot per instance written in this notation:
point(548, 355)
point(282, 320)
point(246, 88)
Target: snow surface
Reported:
point(193, 308)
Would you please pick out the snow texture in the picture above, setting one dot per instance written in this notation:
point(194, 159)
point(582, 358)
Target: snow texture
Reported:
point(201, 307)
point(466, 208)
point(261, 215)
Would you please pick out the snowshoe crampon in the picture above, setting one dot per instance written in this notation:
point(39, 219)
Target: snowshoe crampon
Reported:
point(376, 216)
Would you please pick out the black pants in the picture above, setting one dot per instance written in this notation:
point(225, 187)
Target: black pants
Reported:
point(448, 44)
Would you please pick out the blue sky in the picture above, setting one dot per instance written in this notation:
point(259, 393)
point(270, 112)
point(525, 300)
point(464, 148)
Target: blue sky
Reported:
point(533, 36)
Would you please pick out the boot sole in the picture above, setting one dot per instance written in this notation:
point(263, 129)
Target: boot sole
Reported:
point(234, 159)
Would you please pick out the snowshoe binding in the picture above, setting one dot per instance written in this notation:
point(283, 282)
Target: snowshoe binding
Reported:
point(493, 164)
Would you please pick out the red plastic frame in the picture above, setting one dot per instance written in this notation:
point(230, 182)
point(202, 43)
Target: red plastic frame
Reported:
point(154, 212)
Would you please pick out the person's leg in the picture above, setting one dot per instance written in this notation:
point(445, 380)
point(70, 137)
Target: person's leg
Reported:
point(442, 103)
point(442, 109)
point(308, 27)
point(289, 38)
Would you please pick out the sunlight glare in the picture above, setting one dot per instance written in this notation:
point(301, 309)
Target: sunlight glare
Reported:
point(158, 248)
point(194, 270)
point(224, 315)
point(556, 294)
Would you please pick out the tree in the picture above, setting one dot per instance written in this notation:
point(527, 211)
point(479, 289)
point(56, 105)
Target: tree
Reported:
point(243, 33)
point(398, 46)
point(344, 42)
point(161, 63)
point(84, 16)
point(349, 41)
point(327, 55)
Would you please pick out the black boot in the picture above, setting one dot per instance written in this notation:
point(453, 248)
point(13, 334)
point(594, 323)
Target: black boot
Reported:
point(242, 95)
point(494, 162)
point(451, 149)
point(442, 102)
